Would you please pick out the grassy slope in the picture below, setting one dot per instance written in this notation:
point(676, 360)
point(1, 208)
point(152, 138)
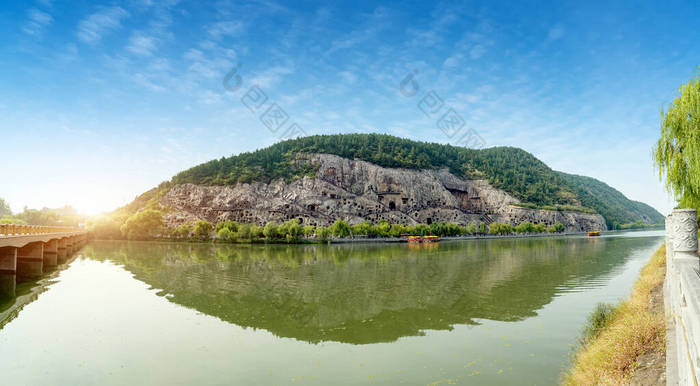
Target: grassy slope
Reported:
point(635, 329)
point(511, 169)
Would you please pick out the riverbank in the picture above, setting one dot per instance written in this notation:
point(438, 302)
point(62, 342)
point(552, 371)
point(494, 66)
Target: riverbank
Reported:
point(349, 240)
point(630, 347)
point(361, 240)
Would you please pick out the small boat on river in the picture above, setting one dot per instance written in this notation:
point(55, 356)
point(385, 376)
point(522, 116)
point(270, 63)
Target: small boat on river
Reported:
point(593, 234)
point(423, 239)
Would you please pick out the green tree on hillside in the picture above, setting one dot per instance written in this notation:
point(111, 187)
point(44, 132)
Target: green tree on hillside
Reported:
point(322, 233)
point(270, 231)
point(364, 228)
point(230, 225)
point(382, 228)
point(143, 225)
point(677, 152)
point(340, 228)
point(244, 232)
point(256, 232)
point(202, 229)
point(556, 228)
point(225, 234)
point(501, 229)
point(308, 230)
point(290, 230)
point(525, 227)
point(183, 231)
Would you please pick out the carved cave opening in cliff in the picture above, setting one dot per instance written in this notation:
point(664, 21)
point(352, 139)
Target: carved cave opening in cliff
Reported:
point(429, 220)
point(392, 205)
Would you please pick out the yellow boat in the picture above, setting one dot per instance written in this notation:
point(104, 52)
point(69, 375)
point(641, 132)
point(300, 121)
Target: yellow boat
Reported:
point(593, 233)
point(423, 239)
point(430, 239)
point(415, 239)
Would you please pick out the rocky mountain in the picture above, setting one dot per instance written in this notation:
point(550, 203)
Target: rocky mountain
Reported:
point(374, 177)
point(356, 191)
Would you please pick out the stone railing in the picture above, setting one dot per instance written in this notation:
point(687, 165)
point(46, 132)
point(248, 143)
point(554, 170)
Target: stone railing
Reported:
point(682, 298)
point(21, 230)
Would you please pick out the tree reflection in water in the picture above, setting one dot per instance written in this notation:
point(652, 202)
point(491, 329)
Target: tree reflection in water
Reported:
point(368, 293)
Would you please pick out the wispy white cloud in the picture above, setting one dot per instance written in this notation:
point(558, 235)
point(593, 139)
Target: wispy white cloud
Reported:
point(141, 43)
point(443, 17)
point(348, 77)
point(271, 76)
point(95, 26)
point(556, 32)
point(68, 54)
point(453, 61)
point(211, 64)
point(37, 21)
point(209, 97)
point(477, 51)
point(144, 80)
point(375, 21)
point(225, 28)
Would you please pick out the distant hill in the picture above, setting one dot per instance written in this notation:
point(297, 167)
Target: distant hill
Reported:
point(508, 168)
point(610, 203)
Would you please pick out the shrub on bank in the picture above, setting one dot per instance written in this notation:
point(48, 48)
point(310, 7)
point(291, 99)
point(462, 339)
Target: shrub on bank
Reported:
point(232, 226)
point(340, 228)
point(556, 228)
point(183, 231)
point(202, 229)
point(322, 233)
point(225, 234)
point(497, 228)
point(270, 231)
point(525, 227)
point(144, 225)
point(597, 321)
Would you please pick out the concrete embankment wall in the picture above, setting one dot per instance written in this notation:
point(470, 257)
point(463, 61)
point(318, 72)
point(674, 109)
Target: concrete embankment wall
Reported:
point(682, 298)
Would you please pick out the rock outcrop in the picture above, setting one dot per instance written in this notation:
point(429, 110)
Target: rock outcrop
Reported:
point(357, 191)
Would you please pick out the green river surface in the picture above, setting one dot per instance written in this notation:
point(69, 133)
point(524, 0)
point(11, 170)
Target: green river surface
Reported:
point(481, 312)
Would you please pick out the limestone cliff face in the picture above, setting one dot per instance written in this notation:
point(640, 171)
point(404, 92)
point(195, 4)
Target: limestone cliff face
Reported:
point(357, 191)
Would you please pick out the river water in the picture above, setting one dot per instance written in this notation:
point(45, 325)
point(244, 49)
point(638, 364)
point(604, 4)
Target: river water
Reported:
point(482, 312)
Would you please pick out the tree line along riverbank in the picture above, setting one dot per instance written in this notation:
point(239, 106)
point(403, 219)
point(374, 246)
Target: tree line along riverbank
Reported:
point(149, 225)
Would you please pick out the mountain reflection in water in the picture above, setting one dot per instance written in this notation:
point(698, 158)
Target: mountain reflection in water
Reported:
point(369, 293)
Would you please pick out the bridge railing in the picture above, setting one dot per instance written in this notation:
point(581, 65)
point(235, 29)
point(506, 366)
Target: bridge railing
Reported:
point(22, 230)
point(682, 298)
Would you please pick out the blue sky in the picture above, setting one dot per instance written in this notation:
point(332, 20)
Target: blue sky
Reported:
point(100, 102)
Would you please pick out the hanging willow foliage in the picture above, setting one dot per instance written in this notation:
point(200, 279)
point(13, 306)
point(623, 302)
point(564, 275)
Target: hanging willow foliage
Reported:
point(677, 153)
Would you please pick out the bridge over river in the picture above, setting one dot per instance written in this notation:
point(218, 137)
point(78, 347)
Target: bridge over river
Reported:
point(26, 251)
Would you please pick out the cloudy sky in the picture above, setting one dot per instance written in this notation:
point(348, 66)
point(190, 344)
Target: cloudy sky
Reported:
point(100, 102)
